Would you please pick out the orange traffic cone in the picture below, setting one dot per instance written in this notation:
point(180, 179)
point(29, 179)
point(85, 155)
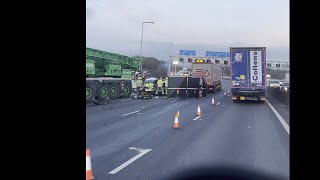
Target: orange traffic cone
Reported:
point(176, 122)
point(88, 166)
point(198, 111)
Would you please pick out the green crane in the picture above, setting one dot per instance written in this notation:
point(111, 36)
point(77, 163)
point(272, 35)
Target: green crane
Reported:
point(109, 75)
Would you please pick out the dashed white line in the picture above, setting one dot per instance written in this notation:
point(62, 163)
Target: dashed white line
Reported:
point(197, 118)
point(130, 113)
point(284, 124)
point(218, 103)
point(172, 101)
point(142, 152)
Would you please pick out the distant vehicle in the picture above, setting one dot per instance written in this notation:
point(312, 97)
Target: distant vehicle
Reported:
point(285, 87)
point(274, 83)
point(152, 79)
point(224, 77)
point(282, 81)
point(268, 77)
point(248, 67)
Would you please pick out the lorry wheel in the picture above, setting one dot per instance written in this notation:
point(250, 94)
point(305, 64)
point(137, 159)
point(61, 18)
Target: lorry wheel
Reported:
point(127, 90)
point(114, 91)
point(103, 92)
point(90, 92)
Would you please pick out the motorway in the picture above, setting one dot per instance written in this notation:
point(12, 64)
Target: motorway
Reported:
point(134, 139)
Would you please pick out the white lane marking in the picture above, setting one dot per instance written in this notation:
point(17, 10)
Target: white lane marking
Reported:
point(172, 101)
point(130, 113)
point(197, 118)
point(138, 113)
point(284, 124)
point(142, 152)
point(218, 103)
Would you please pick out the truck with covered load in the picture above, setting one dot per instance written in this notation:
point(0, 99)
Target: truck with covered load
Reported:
point(109, 75)
point(248, 73)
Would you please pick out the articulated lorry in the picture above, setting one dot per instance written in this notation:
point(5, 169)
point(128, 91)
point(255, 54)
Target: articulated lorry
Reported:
point(211, 72)
point(248, 73)
point(109, 75)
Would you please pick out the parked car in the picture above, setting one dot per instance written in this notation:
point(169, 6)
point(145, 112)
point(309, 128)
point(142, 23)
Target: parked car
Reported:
point(285, 87)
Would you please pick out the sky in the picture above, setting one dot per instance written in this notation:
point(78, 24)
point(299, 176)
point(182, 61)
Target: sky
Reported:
point(200, 25)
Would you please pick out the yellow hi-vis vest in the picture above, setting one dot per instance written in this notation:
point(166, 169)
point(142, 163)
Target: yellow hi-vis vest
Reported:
point(159, 83)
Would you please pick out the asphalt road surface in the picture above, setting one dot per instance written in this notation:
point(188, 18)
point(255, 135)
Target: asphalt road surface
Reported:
point(134, 139)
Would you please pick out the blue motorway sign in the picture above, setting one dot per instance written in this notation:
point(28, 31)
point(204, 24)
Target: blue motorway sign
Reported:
point(217, 54)
point(187, 53)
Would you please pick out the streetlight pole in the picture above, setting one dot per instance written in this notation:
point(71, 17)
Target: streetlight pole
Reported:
point(142, 37)
point(169, 66)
